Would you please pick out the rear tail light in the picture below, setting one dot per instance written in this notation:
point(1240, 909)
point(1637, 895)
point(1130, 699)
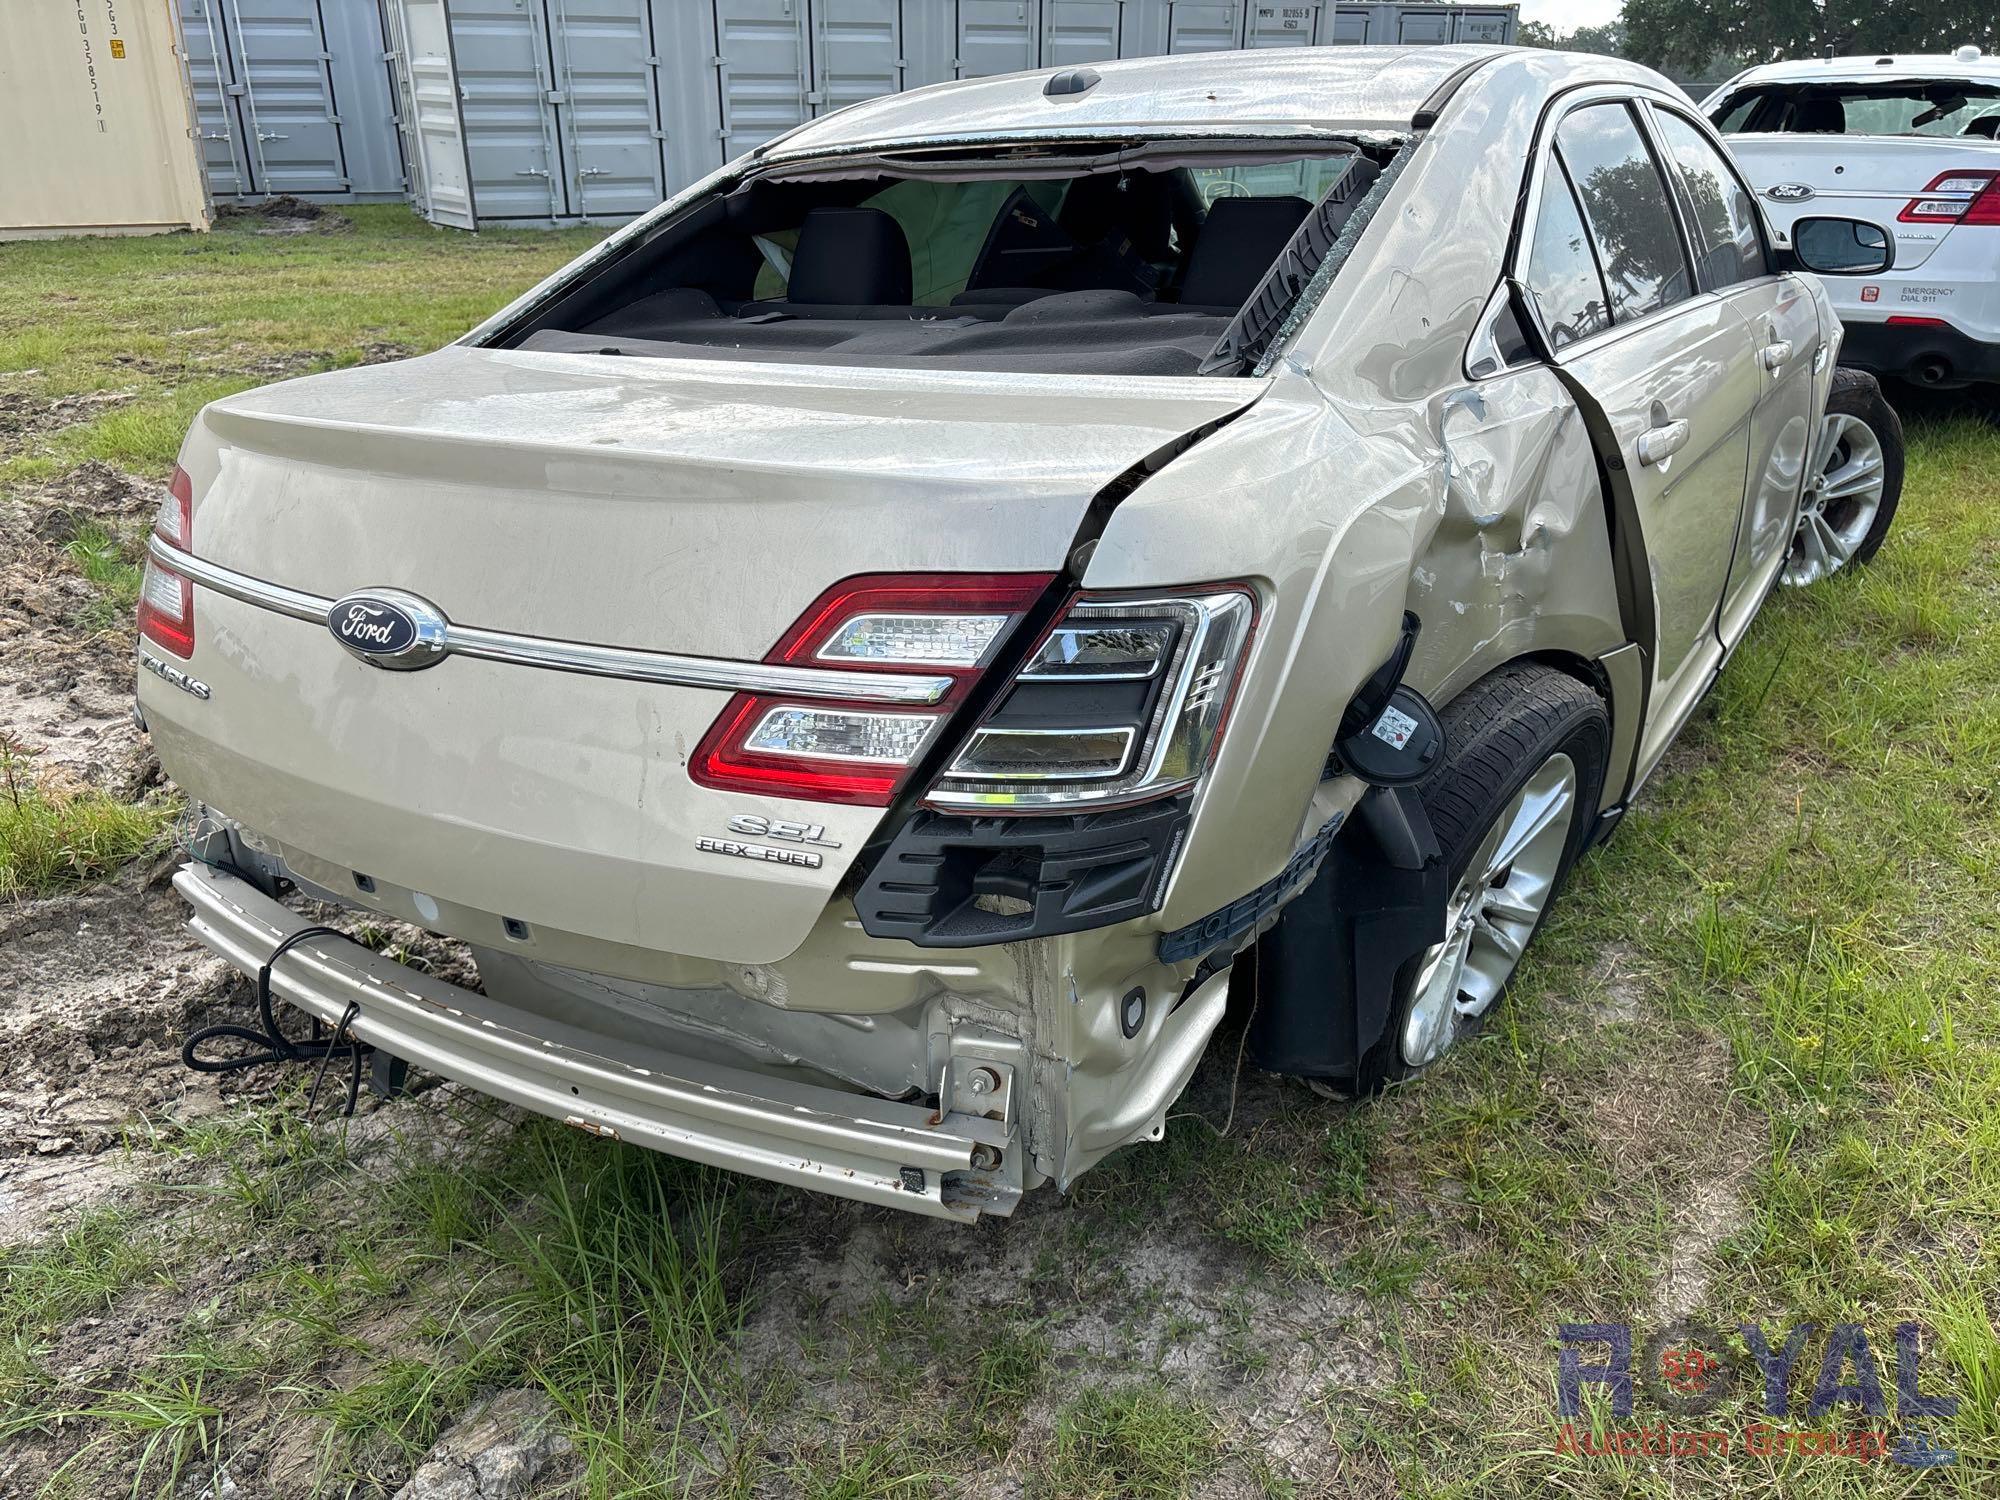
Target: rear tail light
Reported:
point(1125, 700)
point(944, 624)
point(1956, 198)
point(166, 599)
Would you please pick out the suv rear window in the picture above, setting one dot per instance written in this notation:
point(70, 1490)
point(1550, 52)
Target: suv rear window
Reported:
point(1907, 107)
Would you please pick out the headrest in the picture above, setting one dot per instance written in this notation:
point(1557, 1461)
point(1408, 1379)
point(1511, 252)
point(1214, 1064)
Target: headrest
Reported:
point(850, 255)
point(1819, 114)
point(1238, 241)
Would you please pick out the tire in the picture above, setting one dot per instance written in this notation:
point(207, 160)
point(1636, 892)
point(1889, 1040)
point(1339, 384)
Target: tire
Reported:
point(1849, 500)
point(1517, 736)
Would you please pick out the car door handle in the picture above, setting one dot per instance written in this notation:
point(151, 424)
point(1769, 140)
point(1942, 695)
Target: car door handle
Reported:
point(1662, 441)
point(1777, 355)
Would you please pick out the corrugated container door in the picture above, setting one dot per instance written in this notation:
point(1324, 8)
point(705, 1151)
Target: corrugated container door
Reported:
point(995, 36)
point(1423, 25)
point(763, 63)
point(1348, 27)
point(288, 96)
point(436, 128)
point(1483, 26)
point(607, 69)
point(364, 97)
point(212, 76)
point(1204, 26)
point(1075, 32)
point(1281, 25)
point(505, 85)
point(857, 51)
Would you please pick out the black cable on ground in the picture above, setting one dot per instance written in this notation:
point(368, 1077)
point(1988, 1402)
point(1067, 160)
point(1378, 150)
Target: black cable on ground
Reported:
point(274, 1045)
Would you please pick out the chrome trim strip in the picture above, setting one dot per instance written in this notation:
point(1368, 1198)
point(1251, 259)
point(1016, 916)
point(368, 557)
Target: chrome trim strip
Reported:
point(575, 656)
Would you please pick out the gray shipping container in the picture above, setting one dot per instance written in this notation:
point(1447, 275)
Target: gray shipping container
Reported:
point(564, 111)
point(293, 96)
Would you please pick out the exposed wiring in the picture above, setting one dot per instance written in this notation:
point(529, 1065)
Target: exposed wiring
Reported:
point(272, 1044)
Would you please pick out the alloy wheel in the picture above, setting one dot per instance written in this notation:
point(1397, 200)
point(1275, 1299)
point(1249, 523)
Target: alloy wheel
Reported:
point(1840, 502)
point(1493, 912)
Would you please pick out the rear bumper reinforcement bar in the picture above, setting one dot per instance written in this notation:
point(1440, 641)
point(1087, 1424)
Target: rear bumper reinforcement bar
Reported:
point(852, 1145)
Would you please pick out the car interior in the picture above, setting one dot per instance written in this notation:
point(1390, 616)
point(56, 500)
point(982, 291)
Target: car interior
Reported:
point(1138, 267)
point(1902, 108)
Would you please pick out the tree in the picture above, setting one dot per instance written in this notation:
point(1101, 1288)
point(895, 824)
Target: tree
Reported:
point(1608, 40)
point(1688, 35)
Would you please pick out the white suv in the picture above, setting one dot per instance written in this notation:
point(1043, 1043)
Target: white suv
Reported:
point(1902, 141)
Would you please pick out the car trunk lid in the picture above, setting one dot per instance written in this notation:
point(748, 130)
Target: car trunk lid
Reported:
point(692, 507)
point(1873, 178)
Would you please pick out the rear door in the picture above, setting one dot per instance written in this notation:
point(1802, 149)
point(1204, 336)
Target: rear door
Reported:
point(1733, 262)
point(1665, 376)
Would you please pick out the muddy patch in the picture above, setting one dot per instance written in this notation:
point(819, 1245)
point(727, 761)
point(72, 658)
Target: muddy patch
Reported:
point(66, 653)
point(26, 414)
point(96, 992)
point(284, 215)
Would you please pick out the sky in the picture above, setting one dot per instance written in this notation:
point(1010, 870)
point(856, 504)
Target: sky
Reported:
point(1565, 15)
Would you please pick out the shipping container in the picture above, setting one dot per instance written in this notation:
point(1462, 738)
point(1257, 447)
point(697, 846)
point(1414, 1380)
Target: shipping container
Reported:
point(294, 96)
point(558, 111)
point(94, 109)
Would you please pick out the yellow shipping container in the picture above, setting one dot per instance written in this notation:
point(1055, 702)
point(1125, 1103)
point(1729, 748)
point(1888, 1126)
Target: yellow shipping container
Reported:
point(94, 109)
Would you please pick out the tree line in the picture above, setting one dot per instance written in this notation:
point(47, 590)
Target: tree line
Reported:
point(1714, 38)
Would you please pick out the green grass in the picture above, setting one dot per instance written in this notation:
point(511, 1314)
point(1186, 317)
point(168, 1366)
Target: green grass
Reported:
point(1131, 1442)
point(112, 562)
point(54, 839)
point(1791, 1112)
point(181, 319)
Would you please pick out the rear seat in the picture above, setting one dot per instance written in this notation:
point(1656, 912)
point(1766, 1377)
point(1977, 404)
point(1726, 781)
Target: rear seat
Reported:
point(1238, 241)
point(849, 263)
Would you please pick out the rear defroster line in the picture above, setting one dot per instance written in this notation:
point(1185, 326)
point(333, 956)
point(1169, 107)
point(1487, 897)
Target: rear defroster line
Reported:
point(276, 1046)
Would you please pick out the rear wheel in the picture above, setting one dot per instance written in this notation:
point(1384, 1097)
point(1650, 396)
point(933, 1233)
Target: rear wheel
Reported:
point(1511, 806)
point(1857, 478)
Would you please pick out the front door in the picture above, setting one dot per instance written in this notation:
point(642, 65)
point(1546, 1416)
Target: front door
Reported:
point(1667, 380)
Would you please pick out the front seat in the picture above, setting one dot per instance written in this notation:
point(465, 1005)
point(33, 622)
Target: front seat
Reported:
point(1986, 125)
point(1238, 241)
point(848, 263)
point(1819, 114)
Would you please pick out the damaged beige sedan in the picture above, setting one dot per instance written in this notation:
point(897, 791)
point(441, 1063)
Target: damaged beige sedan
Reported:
point(867, 655)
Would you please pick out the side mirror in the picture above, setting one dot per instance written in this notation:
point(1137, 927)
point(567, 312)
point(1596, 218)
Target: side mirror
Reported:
point(1840, 247)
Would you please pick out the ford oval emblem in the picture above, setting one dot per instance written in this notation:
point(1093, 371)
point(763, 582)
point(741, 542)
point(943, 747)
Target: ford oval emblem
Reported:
point(389, 628)
point(1788, 192)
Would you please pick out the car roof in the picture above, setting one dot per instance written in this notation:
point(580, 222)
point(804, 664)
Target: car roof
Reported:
point(1874, 68)
point(1277, 91)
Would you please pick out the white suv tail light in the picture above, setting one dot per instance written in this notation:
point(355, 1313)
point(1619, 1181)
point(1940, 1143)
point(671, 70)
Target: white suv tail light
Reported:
point(1123, 701)
point(166, 599)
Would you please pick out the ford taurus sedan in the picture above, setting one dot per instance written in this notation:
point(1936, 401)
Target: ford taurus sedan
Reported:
point(868, 656)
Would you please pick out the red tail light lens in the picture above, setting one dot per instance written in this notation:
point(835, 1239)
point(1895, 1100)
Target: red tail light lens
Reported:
point(937, 624)
point(166, 599)
point(1968, 198)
